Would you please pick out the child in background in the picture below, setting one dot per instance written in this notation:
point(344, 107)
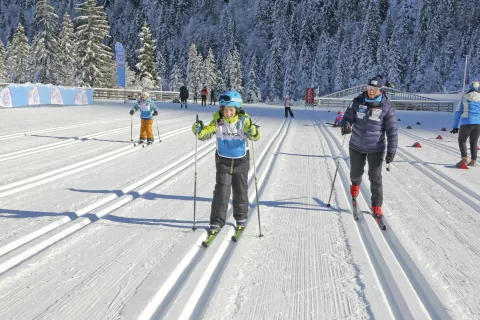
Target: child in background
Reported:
point(147, 110)
point(338, 119)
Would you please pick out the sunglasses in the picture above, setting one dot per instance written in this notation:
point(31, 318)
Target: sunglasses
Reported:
point(372, 88)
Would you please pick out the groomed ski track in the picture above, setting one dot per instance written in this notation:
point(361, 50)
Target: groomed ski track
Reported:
point(129, 252)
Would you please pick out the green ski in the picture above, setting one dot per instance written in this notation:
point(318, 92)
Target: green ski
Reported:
point(210, 238)
point(238, 233)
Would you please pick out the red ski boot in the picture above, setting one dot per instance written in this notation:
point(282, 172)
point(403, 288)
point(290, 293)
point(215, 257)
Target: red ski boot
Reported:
point(354, 190)
point(378, 216)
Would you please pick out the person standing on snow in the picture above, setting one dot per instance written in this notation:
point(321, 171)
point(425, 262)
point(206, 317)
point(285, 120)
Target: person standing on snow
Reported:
point(288, 103)
point(232, 159)
point(212, 97)
point(147, 110)
point(338, 119)
point(370, 118)
point(468, 114)
point(204, 94)
point(183, 96)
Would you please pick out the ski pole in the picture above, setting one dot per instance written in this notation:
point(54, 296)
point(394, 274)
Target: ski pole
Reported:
point(256, 190)
point(158, 131)
point(336, 171)
point(195, 180)
point(131, 127)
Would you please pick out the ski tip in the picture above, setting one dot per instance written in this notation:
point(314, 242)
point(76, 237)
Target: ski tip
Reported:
point(384, 228)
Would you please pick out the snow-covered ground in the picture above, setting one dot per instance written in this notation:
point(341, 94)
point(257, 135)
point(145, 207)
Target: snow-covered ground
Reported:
point(94, 228)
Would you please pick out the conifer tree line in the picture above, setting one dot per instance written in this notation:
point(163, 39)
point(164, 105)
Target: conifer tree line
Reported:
point(266, 49)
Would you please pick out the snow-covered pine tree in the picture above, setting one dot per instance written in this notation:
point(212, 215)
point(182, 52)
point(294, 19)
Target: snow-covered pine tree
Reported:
point(369, 42)
point(67, 52)
point(209, 72)
point(252, 90)
point(194, 68)
point(236, 74)
point(175, 78)
point(45, 44)
point(307, 44)
point(161, 67)
point(131, 80)
point(148, 74)
point(93, 56)
point(18, 56)
point(3, 70)
point(342, 74)
point(289, 79)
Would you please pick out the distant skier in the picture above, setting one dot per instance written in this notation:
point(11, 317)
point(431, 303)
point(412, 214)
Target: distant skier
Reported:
point(232, 158)
point(204, 94)
point(183, 96)
point(338, 119)
point(468, 114)
point(370, 117)
point(212, 97)
point(288, 103)
point(195, 96)
point(147, 110)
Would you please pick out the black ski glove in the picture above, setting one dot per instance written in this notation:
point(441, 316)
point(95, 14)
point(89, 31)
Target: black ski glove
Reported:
point(389, 157)
point(132, 112)
point(155, 113)
point(454, 130)
point(346, 128)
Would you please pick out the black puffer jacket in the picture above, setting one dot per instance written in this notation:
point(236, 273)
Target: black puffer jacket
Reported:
point(371, 120)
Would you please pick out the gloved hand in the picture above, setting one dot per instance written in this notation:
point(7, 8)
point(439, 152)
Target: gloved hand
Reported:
point(252, 131)
point(155, 113)
point(454, 130)
point(389, 157)
point(197, 127)
point(132, 112)
point(346, 128)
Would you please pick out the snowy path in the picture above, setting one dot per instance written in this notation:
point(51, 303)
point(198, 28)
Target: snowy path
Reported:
point(114, 240)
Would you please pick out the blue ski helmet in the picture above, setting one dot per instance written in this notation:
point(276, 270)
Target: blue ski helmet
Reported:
point(230, 98)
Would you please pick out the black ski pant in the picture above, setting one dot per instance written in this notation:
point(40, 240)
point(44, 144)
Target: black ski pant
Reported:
point(466, 131)
point(357, 165)
point(288, 109)
point(204, 101)
point(232, 174)
point(212, 100)
point(183, 102)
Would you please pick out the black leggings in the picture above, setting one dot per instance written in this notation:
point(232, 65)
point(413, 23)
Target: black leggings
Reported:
point(466, 131)
point(357, 165)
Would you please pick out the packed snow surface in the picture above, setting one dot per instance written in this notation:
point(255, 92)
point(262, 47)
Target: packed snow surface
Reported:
point(92, 227)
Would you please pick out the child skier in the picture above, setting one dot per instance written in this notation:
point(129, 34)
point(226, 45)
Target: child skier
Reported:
point(338, 119)
point(232, 159)
point(147, 110)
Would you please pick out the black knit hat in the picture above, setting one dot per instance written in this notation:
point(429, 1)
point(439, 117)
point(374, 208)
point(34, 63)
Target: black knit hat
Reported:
point(377, 81)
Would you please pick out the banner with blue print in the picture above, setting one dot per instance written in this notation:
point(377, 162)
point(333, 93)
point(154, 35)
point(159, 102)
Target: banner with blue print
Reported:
point(120, 63)
point(20, 95)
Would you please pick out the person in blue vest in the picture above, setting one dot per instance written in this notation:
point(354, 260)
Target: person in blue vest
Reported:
point(148, 109)
point(370, 117)
point(468, 114)
point(233, 130)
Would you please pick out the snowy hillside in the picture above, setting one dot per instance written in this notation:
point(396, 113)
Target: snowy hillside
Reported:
point(94, 228)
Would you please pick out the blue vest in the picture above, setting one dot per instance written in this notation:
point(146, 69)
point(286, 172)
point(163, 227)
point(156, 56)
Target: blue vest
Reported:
point(231, 139)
